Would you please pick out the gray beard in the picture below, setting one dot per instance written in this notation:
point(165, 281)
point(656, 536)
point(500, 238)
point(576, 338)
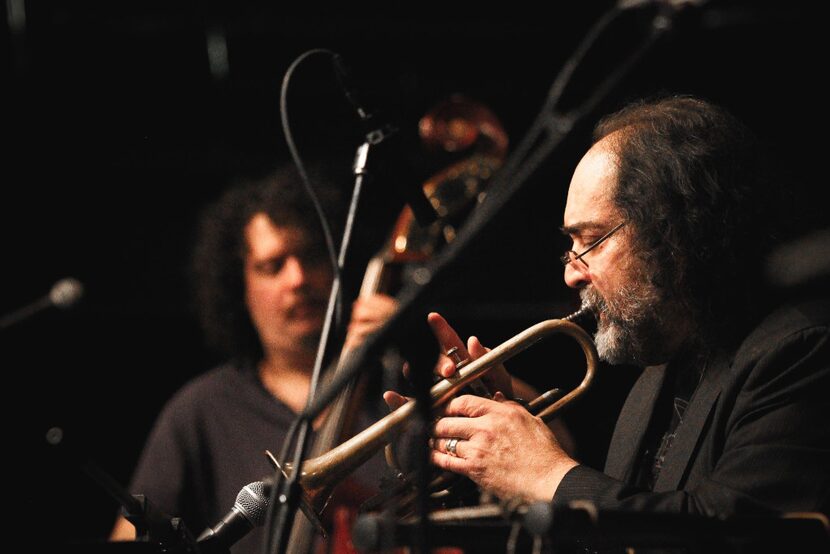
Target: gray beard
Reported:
point(629, 327)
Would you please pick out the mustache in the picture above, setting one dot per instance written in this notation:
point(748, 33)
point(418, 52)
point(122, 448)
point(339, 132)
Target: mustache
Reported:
point(309, 294)
point(625, 307)
point(595, 302)
point(301, 301)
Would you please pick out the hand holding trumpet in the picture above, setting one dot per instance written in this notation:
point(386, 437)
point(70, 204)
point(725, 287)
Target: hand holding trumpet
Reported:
point(495, 442)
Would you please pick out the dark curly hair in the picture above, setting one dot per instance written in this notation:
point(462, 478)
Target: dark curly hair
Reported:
point(217, 265)
point(692, 182)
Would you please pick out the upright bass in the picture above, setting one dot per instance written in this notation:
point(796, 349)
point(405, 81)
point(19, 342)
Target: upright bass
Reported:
point(470, 132)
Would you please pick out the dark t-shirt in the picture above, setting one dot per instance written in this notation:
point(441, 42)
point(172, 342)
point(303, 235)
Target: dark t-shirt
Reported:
point(208, 442)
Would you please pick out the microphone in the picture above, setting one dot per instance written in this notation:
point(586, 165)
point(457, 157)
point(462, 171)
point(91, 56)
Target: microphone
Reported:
point(344, 78)
point(367, 116)
point(64, 294)
point(380, 133)
point(248, 511)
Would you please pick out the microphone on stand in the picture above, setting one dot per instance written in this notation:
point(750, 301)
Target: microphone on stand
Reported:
point(384, 135)
point(344, 77)
point(64, 294)
point(248, 511)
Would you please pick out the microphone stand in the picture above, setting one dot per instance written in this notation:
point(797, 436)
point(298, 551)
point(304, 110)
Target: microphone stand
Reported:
point(287, 492)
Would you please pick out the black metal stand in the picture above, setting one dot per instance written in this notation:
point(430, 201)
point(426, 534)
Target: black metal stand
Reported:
point(287, 492)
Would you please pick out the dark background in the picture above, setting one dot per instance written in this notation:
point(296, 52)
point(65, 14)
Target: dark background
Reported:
point(119, 130)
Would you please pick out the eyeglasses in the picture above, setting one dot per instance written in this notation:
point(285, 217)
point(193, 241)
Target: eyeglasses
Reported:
point(571, 256)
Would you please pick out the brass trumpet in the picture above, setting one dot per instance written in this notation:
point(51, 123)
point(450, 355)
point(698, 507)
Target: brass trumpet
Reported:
point(323, 472)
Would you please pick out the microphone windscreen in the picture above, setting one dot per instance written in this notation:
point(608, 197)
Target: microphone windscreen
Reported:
point(66, 293)
point(252, 501)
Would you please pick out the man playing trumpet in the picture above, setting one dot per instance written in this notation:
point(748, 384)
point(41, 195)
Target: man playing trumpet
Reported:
point(670, 219)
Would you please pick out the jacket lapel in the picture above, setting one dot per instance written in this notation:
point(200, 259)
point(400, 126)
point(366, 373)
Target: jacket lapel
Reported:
point(633, 422)
point(680, 455)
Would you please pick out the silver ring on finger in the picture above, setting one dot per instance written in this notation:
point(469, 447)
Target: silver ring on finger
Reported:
point(451, 446)
point(454, 355)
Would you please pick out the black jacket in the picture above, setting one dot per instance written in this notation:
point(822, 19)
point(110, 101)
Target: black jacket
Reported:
point(755, 437)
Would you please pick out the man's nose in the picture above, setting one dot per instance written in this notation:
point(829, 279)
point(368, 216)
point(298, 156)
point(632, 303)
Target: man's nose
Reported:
point(576, 275)
point(296, 271)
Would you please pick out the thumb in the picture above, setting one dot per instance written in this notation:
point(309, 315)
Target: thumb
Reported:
point(475, 348)
point(394, 400)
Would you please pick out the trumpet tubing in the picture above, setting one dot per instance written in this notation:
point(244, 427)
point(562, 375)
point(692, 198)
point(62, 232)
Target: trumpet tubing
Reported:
point(330, 468)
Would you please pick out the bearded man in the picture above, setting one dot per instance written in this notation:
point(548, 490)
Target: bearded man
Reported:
point(669, 215)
